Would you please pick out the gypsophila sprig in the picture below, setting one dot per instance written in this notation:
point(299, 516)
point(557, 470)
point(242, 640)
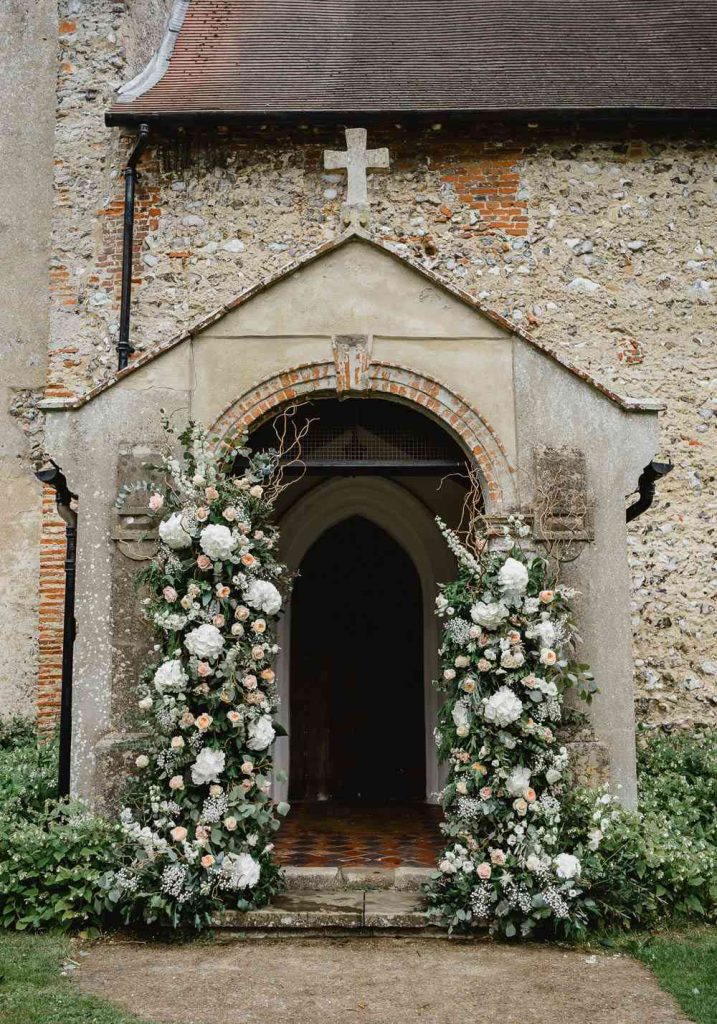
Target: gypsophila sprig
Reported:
point(505, 666)
point(199, 819)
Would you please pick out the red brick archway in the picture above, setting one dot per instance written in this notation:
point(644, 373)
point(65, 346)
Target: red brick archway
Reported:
point(471, 429)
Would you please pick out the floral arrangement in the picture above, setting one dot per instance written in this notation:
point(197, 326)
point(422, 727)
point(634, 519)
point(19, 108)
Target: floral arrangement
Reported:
point(507, 631)
point(199, 818)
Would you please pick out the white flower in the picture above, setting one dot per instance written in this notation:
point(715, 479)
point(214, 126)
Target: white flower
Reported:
point(460, 715)
point(145, 704)
point(263, 597)
point(217, 542)
point(512, 580)
point(447, 867)
point(531, 605)
point(205, 642)
point(512, 659)
point(533, 863)
point(594, 838)
point(142, 761)
point(566, 866)
point(502, 707)
point(544, 630)
point(170, 676)
point(552, 775)
point(260, 733)
point(441, 605)
point(490, 615)
point(209, 765)
point(172, 532)
point(518, 781)
point(240, 871)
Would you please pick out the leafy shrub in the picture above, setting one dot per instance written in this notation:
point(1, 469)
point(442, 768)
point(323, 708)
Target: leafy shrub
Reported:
point(52, 852)
point(661, 861)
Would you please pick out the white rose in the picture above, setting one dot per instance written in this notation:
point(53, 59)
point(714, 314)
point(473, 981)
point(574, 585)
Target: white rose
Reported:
point(533, 863)
point(145, 704)
point(260, 733)
point(209, 764)
point(512, 659)
point(142, 761)
point(566, 866)
point(461, 716)
point(170, 676)
point(552, 776)
point(513, 580)
point(172, 532)
point(205, 642)
point(489, 616)
point(263, 597)
point(240, 871)
point(518, 781)
point(447, 867)
point(217, 542)
point(502, 707)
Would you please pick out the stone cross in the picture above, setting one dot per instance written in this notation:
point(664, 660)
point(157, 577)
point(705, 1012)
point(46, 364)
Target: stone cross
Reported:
point(356, 160)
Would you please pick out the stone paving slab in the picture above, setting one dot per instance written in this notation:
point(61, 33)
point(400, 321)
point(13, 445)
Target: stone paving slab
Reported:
point(298, 980)
point(361, 876)
point(342, 908)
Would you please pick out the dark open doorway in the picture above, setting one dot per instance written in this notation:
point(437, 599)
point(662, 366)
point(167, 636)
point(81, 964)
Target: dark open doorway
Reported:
point(357, 700)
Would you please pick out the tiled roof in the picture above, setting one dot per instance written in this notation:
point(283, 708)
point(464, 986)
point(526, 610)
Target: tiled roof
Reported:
point(239, 57)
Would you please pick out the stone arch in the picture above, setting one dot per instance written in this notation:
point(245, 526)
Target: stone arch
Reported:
point(472, 431)
point(406, 519)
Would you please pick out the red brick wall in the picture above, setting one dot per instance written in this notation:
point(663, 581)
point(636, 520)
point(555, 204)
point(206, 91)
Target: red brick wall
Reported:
point(52, 595)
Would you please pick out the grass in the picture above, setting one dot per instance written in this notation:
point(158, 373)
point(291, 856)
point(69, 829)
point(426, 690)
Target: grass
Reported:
point(685, 964)
point(33, 990)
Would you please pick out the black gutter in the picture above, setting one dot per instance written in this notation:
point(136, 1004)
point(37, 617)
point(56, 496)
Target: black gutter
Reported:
point(53, 475)
point(653, 472)
point(124, 349)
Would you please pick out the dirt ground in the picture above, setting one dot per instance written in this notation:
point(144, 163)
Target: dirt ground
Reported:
point(386, 980)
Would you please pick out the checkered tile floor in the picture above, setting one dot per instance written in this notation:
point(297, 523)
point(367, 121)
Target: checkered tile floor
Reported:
point(328, 833)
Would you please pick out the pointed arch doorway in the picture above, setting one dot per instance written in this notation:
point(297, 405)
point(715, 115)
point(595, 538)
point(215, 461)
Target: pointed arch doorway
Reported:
point(359, 638)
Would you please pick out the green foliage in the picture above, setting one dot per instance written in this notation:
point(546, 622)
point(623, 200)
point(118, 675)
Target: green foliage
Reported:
point(33, 990)
point(52, 852)
point(686, 966)
point(660, 862)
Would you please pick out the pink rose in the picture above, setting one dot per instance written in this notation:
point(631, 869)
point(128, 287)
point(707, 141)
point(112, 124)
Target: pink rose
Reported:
point(497, 857)
point(484, 870)
point(486, 793)
point(204, 669)
point(155, 502)
point(202, 514)
point(204, 562)
point(170, 594)
point(176, 782)
point(530, 795)
point(484, 665)
point(219, 621)
point(179, 834)
point(249, 682)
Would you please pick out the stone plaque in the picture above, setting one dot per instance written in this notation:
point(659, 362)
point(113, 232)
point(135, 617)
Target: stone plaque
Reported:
point(561, 504)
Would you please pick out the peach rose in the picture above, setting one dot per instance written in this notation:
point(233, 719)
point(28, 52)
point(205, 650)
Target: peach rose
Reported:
point(204, 669)
point(176, 742)
point(520, 806)
point(546, 596)
point(241, 612)
point(170, 594)
point(225, 697)
point(462, 661)
point(186, 602)
point(201, 833)
point(215, 790)
point(486, 793)
point(478, 768)
point(204, 562)
point(234, 717)
point(187, 719)
point(230, 514)
point(485, 870)
point(207, 861)
point(484, 665)
point(237, 629)
point(219, 621)
point(259, 626)
point(256, 491)
point(248, 559)
point(249, 682)
point(497, 857)
point(267, 675)
point(179, 834)
point(202, 514)
point(176, 782)
point(211, 493)
point(230, 824)
point(247, 768)
point(155, 502)
point(203, 722)
point(548, 656)
point(514, 637)
point(257, 652)
point(530, 795)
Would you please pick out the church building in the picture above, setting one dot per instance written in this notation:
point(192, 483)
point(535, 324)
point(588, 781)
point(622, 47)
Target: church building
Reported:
point(457, 240)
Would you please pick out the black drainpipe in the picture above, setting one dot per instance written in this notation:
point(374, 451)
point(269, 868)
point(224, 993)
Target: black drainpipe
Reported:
point(653, 472)
point(124, 349)
point(53, 475)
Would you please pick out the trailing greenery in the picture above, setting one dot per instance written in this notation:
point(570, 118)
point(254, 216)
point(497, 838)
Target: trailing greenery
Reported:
point(52, 852)
point(34, 991)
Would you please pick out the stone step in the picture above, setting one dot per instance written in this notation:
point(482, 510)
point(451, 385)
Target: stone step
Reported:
point(365, 876)
point(334, 909)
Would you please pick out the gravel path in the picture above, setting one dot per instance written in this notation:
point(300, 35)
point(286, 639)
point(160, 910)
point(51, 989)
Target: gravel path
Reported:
point(386, 980)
